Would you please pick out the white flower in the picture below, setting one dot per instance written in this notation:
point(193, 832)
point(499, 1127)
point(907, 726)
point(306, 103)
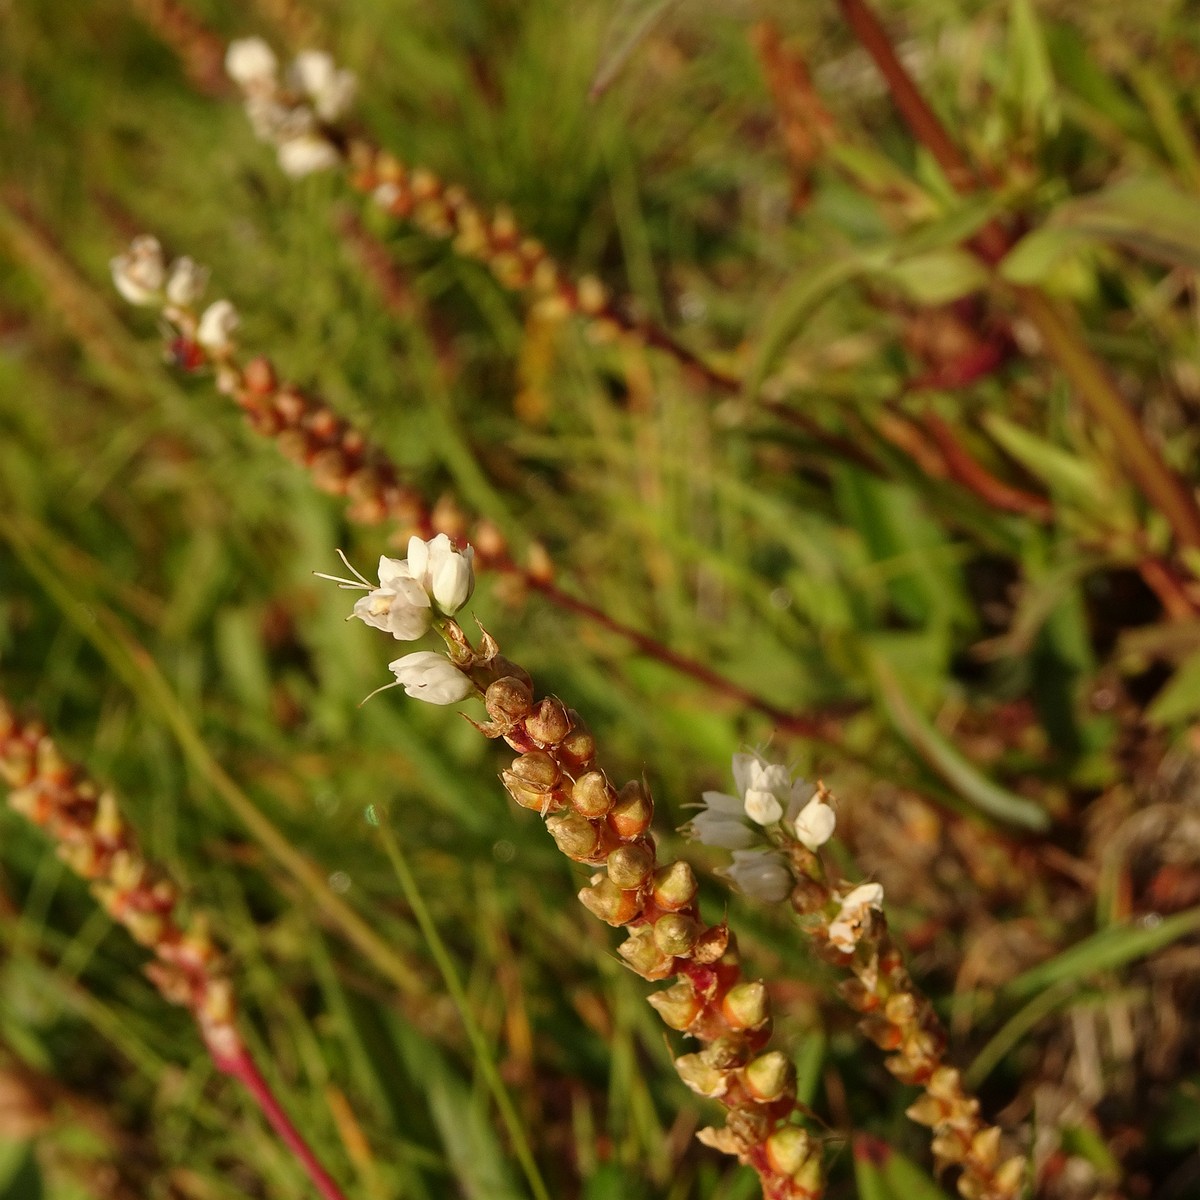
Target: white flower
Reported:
point(186, 282)
point(446, 574)
point(722, 823)
point(139, 273)
point(399, 605)
point(846, 928)
point(217, 323)
point(815, 822)
point(431, 677)
point(250, 62)
point(331, 91)
point(760, 874)
point(299, 156)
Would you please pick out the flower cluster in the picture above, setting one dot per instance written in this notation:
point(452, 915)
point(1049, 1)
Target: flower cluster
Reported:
point(143, 277)
point(770, 809)
point(413, 596)
point(297, 114)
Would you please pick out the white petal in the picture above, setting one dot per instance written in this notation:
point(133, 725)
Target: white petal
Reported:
point(453, 584)
point(763, 807)
point(815, 824)
point(418, 557)
point(431, 677)
point(715, 829)
point(306, 154)
point(391, 570)
point(744, 765)
point(760, 874)
point(312, 71)
point(186, 282)
point(217, 324)
point(249, 61)
point(866, 895)
point(720, 802)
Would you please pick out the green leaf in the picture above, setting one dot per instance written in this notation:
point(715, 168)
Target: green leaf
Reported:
point(1029, 70)
point(939, 276)
point(1180, 699)
point(1068, 475)
point(1145, 214)
point(1104, 951)
point(20, 1176)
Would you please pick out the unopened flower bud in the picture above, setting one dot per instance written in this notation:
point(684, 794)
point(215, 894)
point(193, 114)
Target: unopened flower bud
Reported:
point(926, 1110)
point(633, 811)
point(678, 1005)
point(788, 1149)
point(536, 769)
point(878, 1029)
point(629, 866)
point(769, 1077)
point(186, 282)
point(606, 901)
point(508, 699)
point(985, 1147)
point(674, 886)
point(250, 61)
point(675, 934)
point(1010, 1176)
point(146, 928)
point(219, 1004)
point(746, 1006)
point(548, 723)
point(107, 824)
point(217, 325)
point(592, 794)
point(810, 1179)
point(591, 295)
point(426, 675)
point(574, 835)
point(945, 1084)
point(139, 273)
point(901, 1008)
point(703, 1079)
point(643, 956)
point(577, 751)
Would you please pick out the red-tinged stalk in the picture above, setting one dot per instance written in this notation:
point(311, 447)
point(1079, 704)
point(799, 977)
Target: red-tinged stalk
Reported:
point(93, 839)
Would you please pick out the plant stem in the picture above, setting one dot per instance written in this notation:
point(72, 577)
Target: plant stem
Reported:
point(1087, 375)
point(238, 1063)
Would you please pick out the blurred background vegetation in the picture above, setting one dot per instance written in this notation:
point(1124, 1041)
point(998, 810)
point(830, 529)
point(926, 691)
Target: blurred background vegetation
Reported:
point(903, 523)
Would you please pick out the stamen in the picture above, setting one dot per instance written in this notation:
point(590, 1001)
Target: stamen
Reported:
point(361, 583)
point(384, 688)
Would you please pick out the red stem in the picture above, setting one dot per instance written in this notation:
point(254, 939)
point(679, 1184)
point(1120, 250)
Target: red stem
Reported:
point(237, 1062)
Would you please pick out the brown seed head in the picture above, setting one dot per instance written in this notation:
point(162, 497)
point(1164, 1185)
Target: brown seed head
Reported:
point(548, 723)
point(592, 794)
point(678, 1005)
point(508, 700)
point(575, 836)
point(674, 886)
point(675, 934)
point(633, 811)
point(537, 770)
point(746, 1006)
point(606, 901)
point(769, 1077)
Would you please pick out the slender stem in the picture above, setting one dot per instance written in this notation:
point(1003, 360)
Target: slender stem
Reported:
point(1087, 375)
point(238, 1063)
point(479, 1043)
point(819, 727)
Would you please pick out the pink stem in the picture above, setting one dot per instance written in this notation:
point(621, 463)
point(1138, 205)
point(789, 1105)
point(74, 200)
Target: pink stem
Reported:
point(235, 1060)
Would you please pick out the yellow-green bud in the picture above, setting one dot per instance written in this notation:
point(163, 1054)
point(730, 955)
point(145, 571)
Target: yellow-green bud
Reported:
point(630, 866)
point(746, 1006)
point(810, 1178)
point(537, 770)
point(678, 1005)
point(675, 934)
point(643, 956)
point(633, 811)
point(548, 723)
point(606, 901)
point(577, 751)
point(703, 1078)
point(508, 700)
point(674, 886)
point(769, 1077)
point(592, 794)
point(575, 836)
point(788, 1149)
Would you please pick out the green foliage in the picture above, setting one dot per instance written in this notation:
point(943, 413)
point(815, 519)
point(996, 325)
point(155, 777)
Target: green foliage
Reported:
point(903, 521)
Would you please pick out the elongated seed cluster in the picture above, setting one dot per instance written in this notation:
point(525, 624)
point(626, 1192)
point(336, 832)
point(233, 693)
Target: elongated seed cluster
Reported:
point(519, 263)
point(599, 824)
point(899, 1019)
point(93, 840)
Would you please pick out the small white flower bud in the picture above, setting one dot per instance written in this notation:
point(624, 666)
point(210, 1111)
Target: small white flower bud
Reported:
point(250, 61)
point(815, 824)
point(431, 677)
point(186, 282)
point(306, 154)
point(139, 273)
point(762, 806)
point(446, 574)
point(311, 72)
point(217, 323)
